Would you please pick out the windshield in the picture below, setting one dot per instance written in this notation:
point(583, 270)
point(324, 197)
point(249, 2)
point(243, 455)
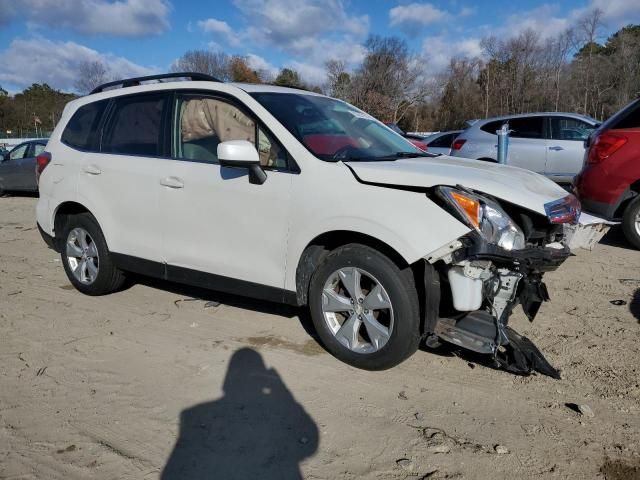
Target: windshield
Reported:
point(333, 130)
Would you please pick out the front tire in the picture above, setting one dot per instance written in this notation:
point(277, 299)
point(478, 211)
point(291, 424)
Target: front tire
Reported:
point(85, 256)
point(365, 308)
point(631, 223)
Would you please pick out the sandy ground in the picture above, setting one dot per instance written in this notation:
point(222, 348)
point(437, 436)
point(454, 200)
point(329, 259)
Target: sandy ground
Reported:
point(155, 382)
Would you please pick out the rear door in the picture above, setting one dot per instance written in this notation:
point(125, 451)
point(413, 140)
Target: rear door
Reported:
point(26, 174)
point(442, 144)
point(527, 143)
point(565, 147)
point(121, 181)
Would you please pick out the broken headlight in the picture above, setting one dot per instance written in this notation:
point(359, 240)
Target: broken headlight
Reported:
point(485, 216)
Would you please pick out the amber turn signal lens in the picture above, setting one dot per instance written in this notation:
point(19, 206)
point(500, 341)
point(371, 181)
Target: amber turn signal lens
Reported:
point(470, 206)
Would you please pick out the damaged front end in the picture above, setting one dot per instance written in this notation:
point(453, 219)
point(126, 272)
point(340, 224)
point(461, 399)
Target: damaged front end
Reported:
point(483, 276)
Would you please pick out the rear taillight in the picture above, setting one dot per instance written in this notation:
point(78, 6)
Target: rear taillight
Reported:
point(421, 146)
point(457, 144)
point(604, 145)
point(42, 161)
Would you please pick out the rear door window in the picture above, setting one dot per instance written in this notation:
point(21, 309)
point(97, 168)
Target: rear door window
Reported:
point(135, 126)
point(631, 119)
point(527, 127)
point(492, 127)
point(38, 148)
point(444, 141)
point(82, 130)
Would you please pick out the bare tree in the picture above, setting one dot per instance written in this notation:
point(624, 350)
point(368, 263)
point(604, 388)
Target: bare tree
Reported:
point(89, 75)
point(588, 29)
point(338, 79)
point(216, 64)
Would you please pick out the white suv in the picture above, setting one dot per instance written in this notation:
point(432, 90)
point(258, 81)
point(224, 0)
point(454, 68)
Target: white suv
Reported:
point(289, 196)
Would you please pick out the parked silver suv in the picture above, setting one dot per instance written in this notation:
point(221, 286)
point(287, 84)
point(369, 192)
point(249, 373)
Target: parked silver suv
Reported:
point(551, 144)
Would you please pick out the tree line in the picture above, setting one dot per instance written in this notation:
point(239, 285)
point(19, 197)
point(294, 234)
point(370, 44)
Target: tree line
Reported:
point(571, 71)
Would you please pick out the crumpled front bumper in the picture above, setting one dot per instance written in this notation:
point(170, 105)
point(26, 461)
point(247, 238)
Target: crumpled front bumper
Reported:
point(492, 282)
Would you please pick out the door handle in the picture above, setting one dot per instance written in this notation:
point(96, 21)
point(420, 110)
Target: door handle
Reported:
point(92, 170)
point(172, 182)
point(557, 148)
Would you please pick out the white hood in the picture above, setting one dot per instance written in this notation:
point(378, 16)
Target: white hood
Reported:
point(516, 185)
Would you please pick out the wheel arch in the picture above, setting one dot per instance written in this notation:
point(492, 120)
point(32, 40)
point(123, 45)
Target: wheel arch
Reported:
point(632, 191)
point(315, 251)
point(61, 211)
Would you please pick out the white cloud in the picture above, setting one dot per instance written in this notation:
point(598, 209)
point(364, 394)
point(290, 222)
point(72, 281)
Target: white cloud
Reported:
point(415, 14)
point(543, 20)
point(127, 18)
point(220, 30)
point(310, 32)
point(277, 22)
point(212, 25)
point(438, 51)
point(313, 74)
point(40, 60)
point(616, 13)
point(467, 11)
point(259, 64)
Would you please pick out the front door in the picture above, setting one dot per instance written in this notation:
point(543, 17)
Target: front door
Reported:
point(10, 168)
point(215, 220)
point(565, 147)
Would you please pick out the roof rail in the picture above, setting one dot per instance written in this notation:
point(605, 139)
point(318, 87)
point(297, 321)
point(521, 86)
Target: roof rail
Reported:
point(132, 82)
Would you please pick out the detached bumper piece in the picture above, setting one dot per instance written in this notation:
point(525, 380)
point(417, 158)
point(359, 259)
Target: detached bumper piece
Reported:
point(506, 279)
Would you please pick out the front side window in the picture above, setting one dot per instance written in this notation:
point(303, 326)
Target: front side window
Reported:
point(565, 128)
point(135, 126)
point(19, 152)
point(333, 130)
point(204, 122)
point(527, 127)
point(81, 131)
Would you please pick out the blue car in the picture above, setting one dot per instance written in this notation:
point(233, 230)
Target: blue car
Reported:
point(18, 167)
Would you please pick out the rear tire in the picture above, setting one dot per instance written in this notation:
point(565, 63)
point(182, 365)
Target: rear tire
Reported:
point(381, 327)
point(85, 256)
point(631, 222)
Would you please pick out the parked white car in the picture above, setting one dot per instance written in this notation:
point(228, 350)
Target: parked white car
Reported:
point(290, 196)
point(549, 143)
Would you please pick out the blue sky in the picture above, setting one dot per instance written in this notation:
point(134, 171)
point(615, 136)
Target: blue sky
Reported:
point(43, 40)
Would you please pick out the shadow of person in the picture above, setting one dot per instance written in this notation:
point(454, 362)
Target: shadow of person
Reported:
point(634, 306)
point(256, 430)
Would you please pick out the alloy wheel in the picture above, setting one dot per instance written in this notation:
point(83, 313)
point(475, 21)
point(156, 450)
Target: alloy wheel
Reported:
point(357, 310)
point(82, 256)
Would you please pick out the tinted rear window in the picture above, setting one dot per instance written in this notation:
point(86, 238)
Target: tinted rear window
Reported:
point(81, 131)
point(527, 127)
point(135, 126)
point(491, 127)
point(631, 119)
point(444, 141)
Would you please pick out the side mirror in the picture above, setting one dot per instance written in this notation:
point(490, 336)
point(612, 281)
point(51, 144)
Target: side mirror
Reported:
point(242, 154)
point(5, 157)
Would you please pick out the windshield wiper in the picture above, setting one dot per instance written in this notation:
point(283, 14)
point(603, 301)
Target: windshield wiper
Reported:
point(392, 157)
